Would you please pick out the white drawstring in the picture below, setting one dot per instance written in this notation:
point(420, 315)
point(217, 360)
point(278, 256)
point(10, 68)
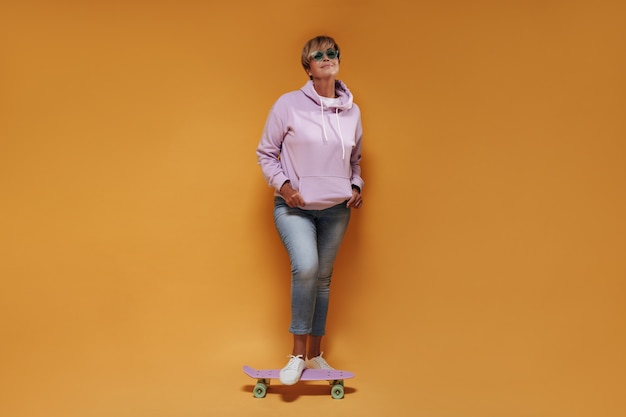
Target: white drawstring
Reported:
point(323, 124)
point(343, 149)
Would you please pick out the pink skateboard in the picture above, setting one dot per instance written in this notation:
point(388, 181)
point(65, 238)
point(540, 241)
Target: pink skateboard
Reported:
point(334, 377)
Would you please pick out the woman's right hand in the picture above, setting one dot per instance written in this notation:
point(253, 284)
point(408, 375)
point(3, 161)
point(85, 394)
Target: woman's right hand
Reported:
point(291, 196)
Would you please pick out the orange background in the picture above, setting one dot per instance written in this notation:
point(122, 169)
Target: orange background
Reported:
point(485, 275)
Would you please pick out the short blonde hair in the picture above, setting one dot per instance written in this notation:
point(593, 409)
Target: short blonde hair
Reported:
point(318, 43)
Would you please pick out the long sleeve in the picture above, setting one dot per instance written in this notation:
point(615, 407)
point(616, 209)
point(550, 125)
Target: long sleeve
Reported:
point(269, 149)
point(355, 158)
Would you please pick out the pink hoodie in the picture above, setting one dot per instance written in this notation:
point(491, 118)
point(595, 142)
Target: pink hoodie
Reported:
point(316, 147)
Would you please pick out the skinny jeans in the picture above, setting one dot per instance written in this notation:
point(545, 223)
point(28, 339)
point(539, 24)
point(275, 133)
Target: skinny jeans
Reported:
point(312, 239)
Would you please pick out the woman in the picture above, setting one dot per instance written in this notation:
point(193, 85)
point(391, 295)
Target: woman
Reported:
point(310, 153)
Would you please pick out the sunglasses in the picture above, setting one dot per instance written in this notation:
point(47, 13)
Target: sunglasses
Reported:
point(330, 53)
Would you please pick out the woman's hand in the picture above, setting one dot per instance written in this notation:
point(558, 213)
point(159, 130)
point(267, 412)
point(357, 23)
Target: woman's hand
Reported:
point(291, 196)
point(355, 201)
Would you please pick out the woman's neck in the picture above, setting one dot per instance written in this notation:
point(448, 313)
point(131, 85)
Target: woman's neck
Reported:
point(325, 88)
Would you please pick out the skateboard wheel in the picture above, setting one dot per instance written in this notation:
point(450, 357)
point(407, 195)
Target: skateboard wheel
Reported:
point(260, 389)
point(337, 391)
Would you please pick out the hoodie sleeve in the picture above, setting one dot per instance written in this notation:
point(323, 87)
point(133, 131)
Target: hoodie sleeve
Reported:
point(355, 157)
point(270, 145)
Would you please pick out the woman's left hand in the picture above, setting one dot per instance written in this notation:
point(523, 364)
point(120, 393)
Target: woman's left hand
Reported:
point(356, 201)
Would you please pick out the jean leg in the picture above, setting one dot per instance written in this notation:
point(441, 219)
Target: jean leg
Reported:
point(297, 230)
point(332, 224)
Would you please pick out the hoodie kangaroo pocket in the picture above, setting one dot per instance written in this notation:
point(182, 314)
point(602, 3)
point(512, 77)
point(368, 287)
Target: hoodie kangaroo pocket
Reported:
point(324, 192)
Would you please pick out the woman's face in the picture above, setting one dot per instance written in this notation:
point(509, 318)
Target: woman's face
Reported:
point(326, 67)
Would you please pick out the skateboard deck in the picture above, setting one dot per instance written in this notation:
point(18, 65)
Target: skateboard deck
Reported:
point(334, 377)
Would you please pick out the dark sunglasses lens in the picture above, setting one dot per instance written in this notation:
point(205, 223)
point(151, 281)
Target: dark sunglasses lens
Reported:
point(318, 56)
point(331, 54)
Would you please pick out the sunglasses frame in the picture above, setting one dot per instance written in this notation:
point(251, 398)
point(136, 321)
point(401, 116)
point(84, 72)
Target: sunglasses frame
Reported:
point(324, 53)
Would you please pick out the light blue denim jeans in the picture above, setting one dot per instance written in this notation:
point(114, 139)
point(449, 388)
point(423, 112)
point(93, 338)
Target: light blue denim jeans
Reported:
point(312, 239)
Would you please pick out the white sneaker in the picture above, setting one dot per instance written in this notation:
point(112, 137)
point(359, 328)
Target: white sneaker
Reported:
point(318, 363)
point(291, 373)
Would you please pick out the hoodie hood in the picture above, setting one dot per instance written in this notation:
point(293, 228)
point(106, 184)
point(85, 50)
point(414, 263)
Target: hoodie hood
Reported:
point(343, 93)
